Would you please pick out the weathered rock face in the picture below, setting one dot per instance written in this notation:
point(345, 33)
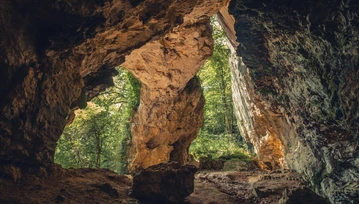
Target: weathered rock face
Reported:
point(170, 112)
point(164, 127)
point(166, 182)
point(258, 124)
point(55, 54)
point(297, 88)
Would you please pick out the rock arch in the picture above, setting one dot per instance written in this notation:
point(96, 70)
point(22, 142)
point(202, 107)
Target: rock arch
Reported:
point(52, 51)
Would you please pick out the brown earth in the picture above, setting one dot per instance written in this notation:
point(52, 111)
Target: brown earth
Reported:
point(104, 186)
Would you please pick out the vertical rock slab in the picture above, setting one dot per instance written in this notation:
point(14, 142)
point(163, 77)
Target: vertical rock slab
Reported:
point(299, 64)
point(259, 125)
point(170, 112)
point(171, 105)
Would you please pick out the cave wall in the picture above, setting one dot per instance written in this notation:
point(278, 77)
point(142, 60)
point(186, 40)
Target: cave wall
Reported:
point(297, 88)
point(55, 54)
point(259, 125)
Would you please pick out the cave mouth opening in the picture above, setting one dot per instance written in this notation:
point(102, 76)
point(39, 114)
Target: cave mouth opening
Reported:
point(219, 140)
point(99, 135)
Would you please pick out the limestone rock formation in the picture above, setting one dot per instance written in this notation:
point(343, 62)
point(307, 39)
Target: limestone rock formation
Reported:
point(297, 88)
point(301, 196)
point(165, 182)
point(296, 80)
point(170, 112)
point(55, 55)
point(164, 127)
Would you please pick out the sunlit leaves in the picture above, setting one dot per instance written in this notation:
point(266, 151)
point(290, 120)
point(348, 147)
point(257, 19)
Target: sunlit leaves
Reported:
point(99, 135)
point(219, 136)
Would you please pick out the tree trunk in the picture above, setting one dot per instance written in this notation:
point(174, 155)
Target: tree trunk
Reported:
point(225, 103)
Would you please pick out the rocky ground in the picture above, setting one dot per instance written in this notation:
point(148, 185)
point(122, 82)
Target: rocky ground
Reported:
point(251, 187)
point(104, 186)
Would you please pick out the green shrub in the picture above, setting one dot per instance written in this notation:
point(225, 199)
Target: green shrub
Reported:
point(221, 146)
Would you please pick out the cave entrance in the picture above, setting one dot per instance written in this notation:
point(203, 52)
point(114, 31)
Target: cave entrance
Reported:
point(219, 139)
point(99, 135)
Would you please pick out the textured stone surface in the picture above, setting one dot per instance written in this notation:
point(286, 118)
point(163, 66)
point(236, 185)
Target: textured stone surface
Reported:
point(69, 186)
point(252, 186)
point(163, 129)
point(166, 182)
point(170, 113)
point(55, 55)
point(259, 125)
point(301, 196)
point(297, 86)
point(104, 186)
point(171, 107)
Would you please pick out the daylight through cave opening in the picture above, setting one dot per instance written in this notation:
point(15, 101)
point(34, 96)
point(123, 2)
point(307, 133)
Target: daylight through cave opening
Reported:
point(99, 135)
point(219, 137)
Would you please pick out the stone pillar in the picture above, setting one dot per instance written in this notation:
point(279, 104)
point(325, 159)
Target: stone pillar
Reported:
point(171, 107)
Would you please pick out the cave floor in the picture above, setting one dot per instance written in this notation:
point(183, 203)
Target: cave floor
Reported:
point(104, 186)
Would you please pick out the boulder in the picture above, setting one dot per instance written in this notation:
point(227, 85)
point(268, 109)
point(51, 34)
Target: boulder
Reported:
point(165, 182)
point(211, 164)
point(301, 195)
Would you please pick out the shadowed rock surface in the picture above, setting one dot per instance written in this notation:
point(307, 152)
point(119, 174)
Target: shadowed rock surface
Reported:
point(296, 89)
point(252, 186)
point(103, 186)
point(55, 55)
point(165, 182)
point(69, 186)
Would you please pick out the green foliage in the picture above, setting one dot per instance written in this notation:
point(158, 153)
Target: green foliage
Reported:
point(216, 82)
point(218, 146)
point(135, 85)
point(219, 136)
point(99, 135)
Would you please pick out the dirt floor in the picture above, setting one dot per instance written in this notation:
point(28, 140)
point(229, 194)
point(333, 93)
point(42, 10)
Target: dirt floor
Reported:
point(104, 186)
point(243, 187)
